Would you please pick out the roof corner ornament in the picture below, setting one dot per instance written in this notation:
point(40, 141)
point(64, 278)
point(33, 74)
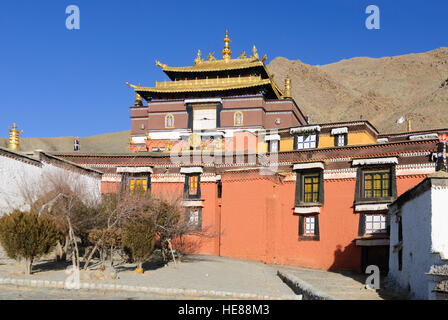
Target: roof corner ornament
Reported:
point(226, 52)
point(159, 64)
point(264, 58)
point(198, 58)
point(14, 142)
point(255, 53)
point(131, 85)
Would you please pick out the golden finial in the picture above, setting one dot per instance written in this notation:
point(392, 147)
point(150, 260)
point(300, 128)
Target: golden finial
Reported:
point(287, 92)
point(198, 58)
point(264, 58)
point(255, 53)
point(226, 52)
point(210, 56)
point(14, 143)
point(138, 99)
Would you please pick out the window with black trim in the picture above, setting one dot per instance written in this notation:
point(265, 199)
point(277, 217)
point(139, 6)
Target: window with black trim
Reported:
point(309, 227)
point(302, 142)
point(340, 140)
point(375, 223)
point(192, 188)
point(139, 183)
point(309, 187)
point(376, 184)
point(193, 217)
point(273, 145)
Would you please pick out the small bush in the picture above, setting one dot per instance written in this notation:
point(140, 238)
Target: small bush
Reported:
point(27, 236)
point(139, 238)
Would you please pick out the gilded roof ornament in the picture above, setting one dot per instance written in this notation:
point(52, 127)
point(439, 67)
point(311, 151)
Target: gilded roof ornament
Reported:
point(210, 56)
point(264, 58)
point(131, 85)
point(255, 53)
point(198, 58)
point(162, 65)
point(243, 55)
point(14, 143)
point(226, 52)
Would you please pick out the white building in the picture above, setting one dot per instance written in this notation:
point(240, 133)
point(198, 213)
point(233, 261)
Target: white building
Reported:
point(418, 255)
point(18, 170)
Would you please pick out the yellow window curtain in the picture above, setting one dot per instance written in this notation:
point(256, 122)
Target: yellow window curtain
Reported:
point(193, 185)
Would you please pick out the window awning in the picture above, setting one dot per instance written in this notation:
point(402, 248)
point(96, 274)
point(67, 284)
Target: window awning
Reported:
point(134, 169)
point(305, 210)
point(362, 162)
point(272, 137)
point(372, 207)
point(428, 136)
point(305, 129)
point(185, 170)
point(309, 165)
point(372, 242)
point(339, 130)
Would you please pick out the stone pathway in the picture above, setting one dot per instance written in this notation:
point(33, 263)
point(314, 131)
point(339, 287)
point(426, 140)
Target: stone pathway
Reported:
point(344, 285)
point(196, 273)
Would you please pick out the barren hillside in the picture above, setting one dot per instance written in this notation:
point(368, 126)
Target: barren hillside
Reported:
point(116, 142)
point(379, 90)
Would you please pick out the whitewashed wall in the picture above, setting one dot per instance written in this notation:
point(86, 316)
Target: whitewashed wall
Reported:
point(14, 174)
point(425, 236)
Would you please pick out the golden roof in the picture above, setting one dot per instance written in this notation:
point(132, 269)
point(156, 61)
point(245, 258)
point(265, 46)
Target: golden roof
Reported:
point(223, 83)
point(213, 84)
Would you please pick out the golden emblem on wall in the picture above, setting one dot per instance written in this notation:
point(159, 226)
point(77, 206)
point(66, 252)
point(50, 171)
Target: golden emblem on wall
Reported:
point(195, 141)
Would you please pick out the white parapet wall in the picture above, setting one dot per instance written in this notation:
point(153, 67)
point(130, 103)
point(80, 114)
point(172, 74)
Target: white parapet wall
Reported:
point(21, 176)
point(424, 220)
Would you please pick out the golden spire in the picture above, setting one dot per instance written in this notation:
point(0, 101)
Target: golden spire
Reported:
point(14, 138)
point(226, 52)
point(138, 99)
point(255, 53)
point(287, 93)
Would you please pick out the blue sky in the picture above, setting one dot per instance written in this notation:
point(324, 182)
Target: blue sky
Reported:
point(60, 82)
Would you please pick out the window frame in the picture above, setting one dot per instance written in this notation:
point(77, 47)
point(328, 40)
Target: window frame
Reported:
point(129, 178)
point(296, 141)
point(188, 210)
point(360, 181)
point(372, 230)
point(336, 139)
point(270, 146)
point(187, 187)
point(300, 187)
point(302, 228)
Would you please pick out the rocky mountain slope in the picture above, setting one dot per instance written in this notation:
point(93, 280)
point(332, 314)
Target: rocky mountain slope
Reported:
point(379, 90)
